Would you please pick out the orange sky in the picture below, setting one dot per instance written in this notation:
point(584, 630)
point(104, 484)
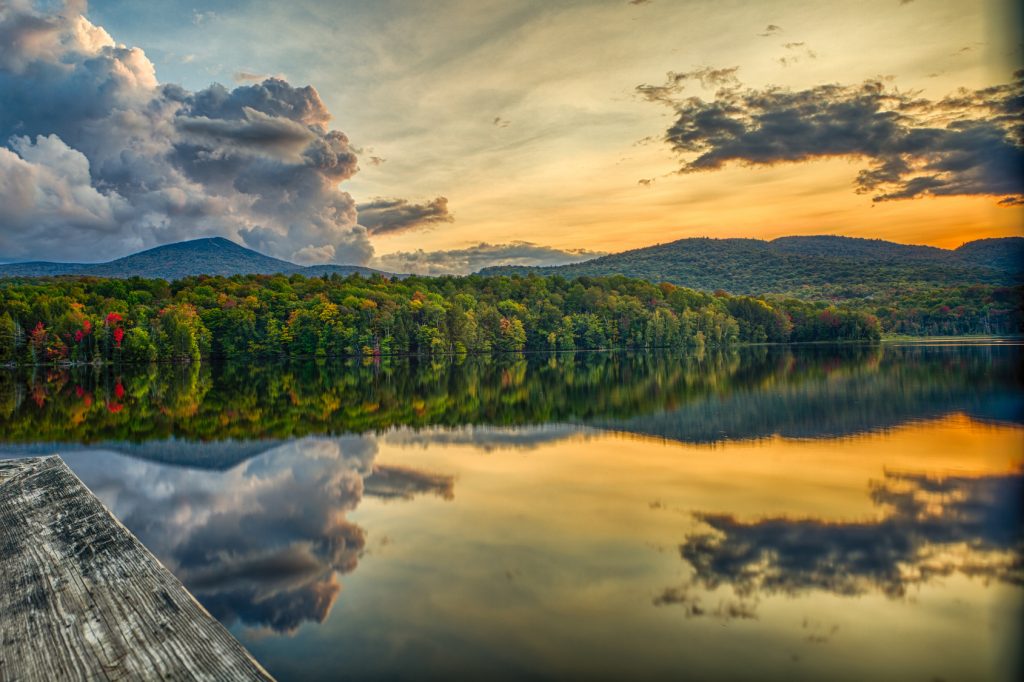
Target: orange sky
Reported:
point(526, 116)
point(564, 169)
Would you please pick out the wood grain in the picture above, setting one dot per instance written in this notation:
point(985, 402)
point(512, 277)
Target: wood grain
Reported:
point(82, 599)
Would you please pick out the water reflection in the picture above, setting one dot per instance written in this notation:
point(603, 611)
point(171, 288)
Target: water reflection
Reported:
point(508, 515)
point(932, 527)
point(265, 542)
point(706, 398)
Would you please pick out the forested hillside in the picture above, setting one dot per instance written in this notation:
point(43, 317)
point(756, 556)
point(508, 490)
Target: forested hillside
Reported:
point(90, 319)
point(915, 290)
point(824, 267)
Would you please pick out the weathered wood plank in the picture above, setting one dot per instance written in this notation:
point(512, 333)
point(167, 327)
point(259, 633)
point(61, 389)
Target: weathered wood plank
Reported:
point(9, 467)
point(82, 598)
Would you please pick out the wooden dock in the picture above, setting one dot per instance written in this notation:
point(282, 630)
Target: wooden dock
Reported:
point(82, 599)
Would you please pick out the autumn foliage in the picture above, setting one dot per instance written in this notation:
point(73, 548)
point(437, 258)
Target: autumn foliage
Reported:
point(90, 320)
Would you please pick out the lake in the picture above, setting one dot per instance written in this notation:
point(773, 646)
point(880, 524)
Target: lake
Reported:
point(849, 512)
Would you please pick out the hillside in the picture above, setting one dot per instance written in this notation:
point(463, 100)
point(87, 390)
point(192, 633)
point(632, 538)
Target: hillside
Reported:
point(808, 267)
point(1003, 254)
point(211, 256)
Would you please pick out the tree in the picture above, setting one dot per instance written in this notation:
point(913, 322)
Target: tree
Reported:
point(181, 333)
point(138, 347)
point(8, 338)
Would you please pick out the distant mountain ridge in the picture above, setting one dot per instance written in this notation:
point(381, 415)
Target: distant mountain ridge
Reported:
point(824, 266)
point(208, 256)
point(815, 266)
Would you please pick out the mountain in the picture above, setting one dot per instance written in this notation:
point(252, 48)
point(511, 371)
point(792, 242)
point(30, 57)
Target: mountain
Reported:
point(852, 247)
point(811, 267)
point(1004, 254)
point(211, 256)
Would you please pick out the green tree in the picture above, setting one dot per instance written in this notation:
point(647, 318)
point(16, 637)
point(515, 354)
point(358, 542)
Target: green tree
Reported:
point(137, 346)
point(8, 338)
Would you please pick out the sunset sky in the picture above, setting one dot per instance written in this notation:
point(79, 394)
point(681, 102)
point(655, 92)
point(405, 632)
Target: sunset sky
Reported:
point(487, 132)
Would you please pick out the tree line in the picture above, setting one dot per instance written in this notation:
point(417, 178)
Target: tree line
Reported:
point(85, 320)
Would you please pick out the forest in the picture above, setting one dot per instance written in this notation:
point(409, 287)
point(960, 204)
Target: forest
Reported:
point(809, 268)
point(913, 290)
point(86, 320)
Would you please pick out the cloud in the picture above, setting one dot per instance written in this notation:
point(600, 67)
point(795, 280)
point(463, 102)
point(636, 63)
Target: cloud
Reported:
point(487, 438)
point(474, 258)
point(798, 53)
point(248, 77)
point(969, 143)
point(404, 483)
point(200, 18)
point(770, 30)
point(46, 189)
point(933, 527)
point(686, 596)
point(676, 82)
point(313, 255)
point(383, 216)
point(101, 158)
point(261, 543)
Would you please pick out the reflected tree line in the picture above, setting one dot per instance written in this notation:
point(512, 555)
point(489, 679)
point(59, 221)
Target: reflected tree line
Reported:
point(817, 393)
point(696, 397)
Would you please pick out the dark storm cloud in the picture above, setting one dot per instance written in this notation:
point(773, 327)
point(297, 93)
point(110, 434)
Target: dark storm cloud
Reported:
point(473, 258)
point(98, 158)
point(382, 216)
point(933, 527)
point(970, 143)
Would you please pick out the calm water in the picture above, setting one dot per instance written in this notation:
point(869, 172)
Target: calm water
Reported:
point(813, 513)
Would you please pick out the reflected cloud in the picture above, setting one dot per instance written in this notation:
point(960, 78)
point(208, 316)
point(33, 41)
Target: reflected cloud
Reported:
point(933, 526)
point(687, 597)
point(262, 543)
point(403, 483)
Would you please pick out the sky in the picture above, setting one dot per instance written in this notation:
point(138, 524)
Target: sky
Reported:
point(445, 136)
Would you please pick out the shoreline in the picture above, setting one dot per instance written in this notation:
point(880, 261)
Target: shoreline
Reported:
point(974, 339)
